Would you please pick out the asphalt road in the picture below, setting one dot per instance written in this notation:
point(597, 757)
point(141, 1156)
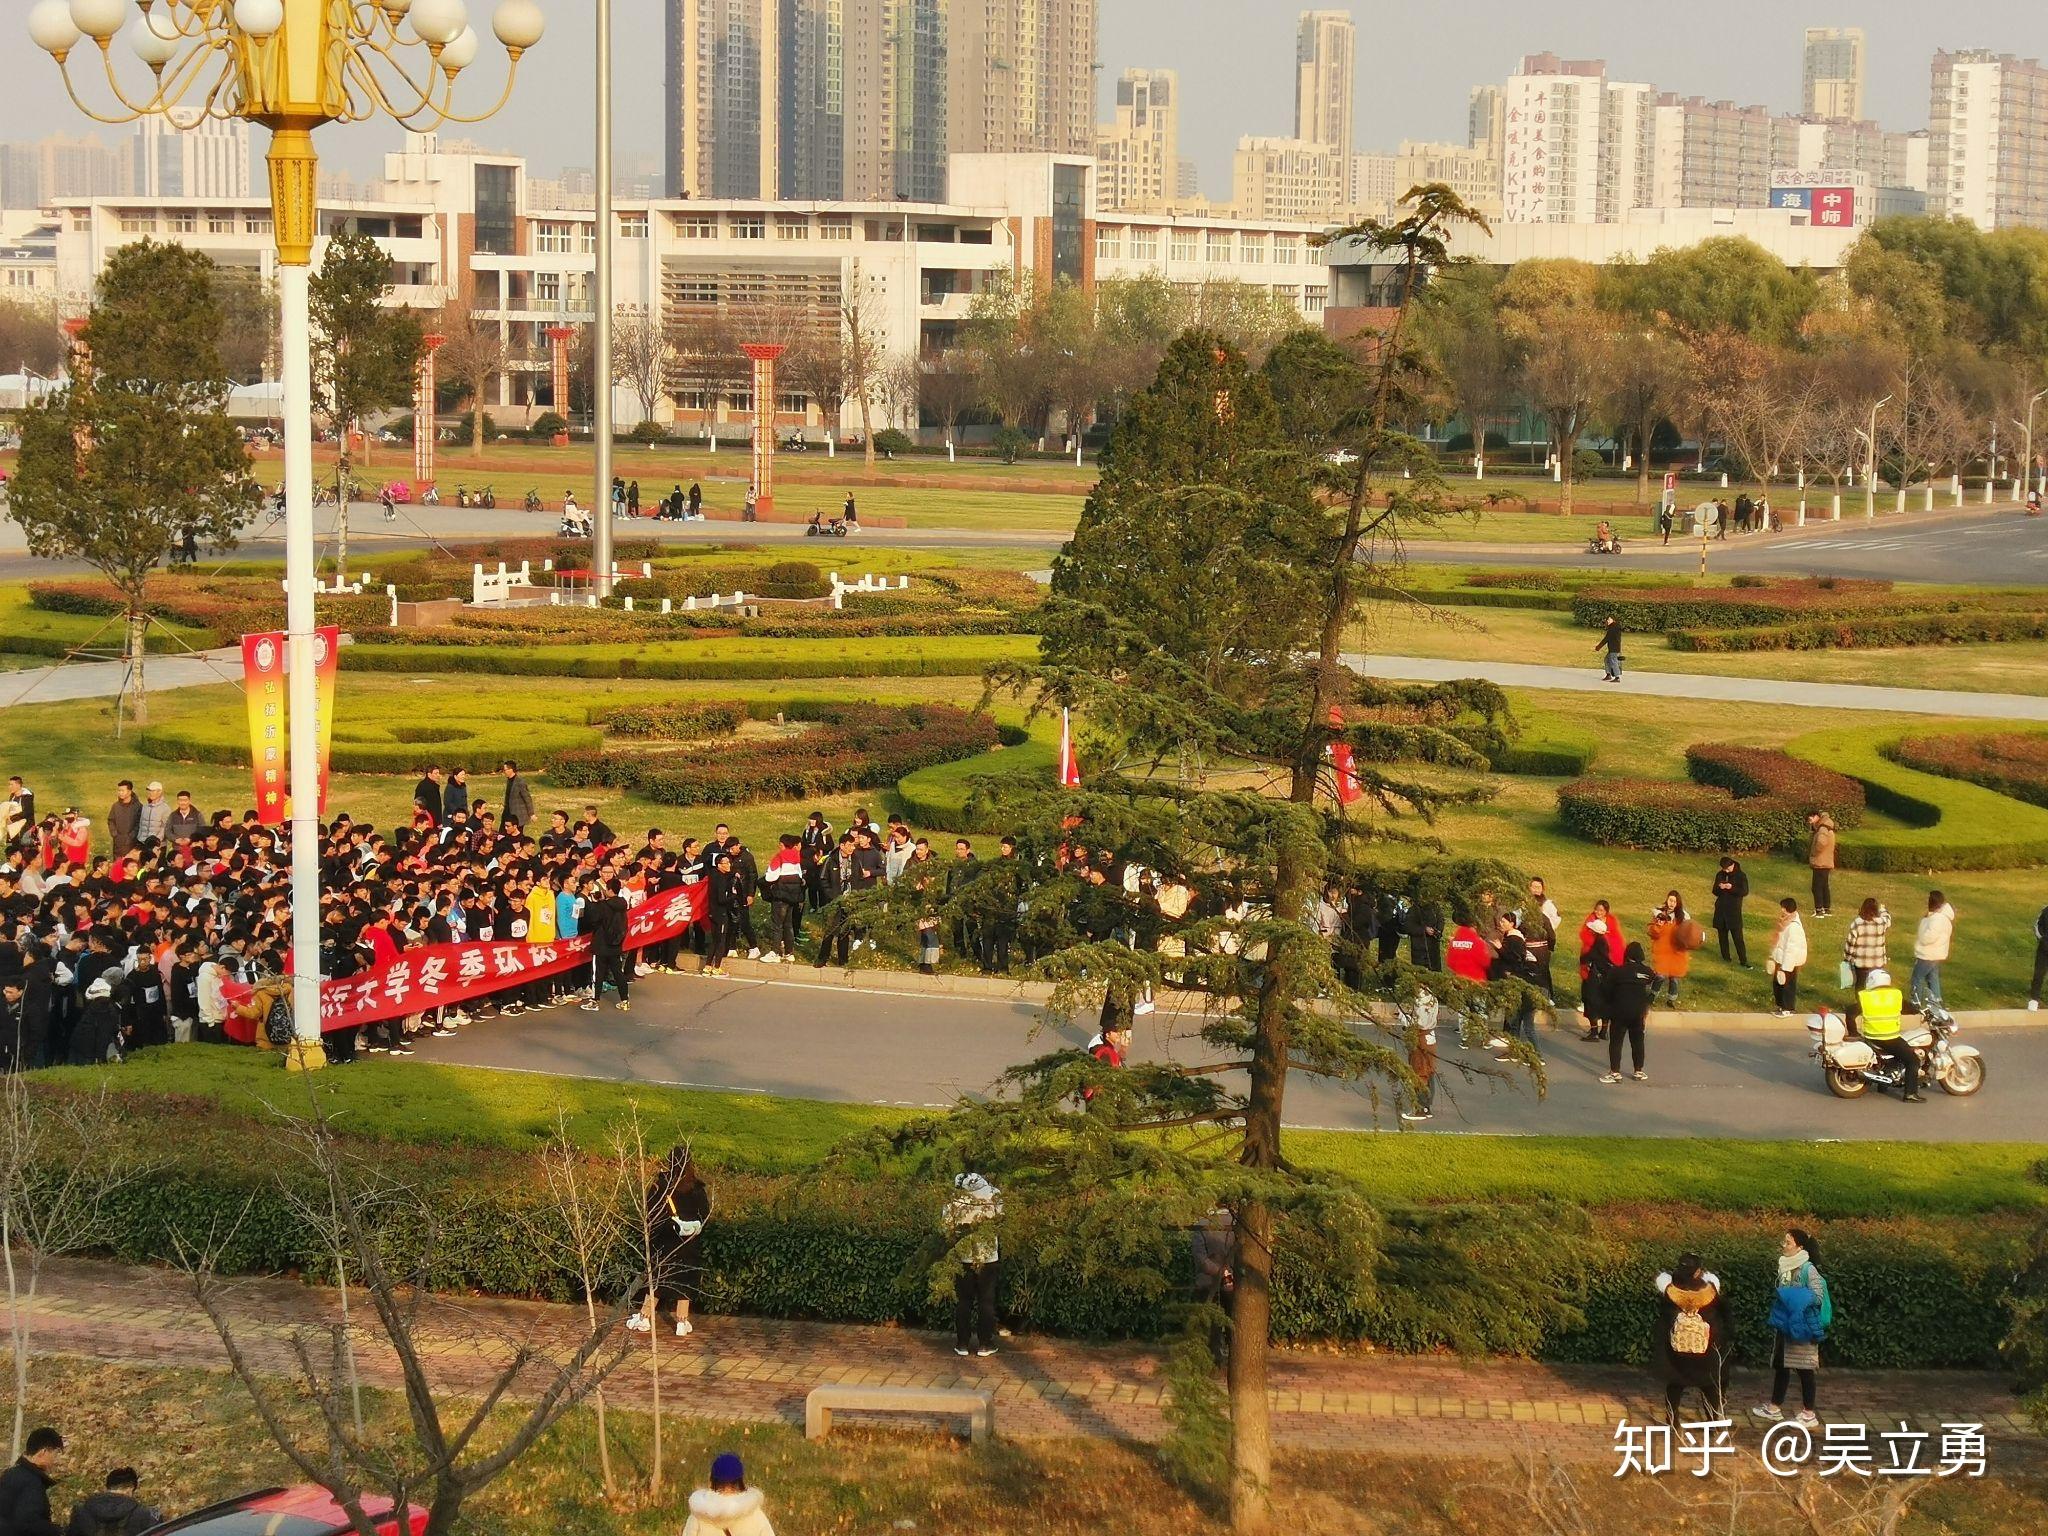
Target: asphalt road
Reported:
point(820, 1041)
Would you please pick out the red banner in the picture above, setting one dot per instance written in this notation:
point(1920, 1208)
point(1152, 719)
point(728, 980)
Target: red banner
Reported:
point(444, 975)
point(263, 690)
point(326, 662)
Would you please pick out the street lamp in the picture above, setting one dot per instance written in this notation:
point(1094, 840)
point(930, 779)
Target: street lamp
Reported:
point(290, 65)
point(1870, 465)
point(2027, 453)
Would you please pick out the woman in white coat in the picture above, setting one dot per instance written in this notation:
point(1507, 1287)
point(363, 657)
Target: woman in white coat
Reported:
point(728, 1507)
point(1788, 954)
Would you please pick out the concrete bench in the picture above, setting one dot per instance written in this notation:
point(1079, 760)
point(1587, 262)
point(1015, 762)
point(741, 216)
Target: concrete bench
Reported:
point(824, 1401)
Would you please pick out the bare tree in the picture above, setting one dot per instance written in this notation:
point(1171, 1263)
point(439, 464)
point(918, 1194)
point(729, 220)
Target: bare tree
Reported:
point(640, 357)
point(949, 388)
point(629, 1152)
point(431, 1457)
point(1760, 401)
point(1562, 373)
point(704, 361)
point(865, 351)
point(63, 1159)
point(472, 355)
point(1647, 377)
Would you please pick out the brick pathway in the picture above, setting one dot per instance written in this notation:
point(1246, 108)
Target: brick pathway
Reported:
point(751, 1368)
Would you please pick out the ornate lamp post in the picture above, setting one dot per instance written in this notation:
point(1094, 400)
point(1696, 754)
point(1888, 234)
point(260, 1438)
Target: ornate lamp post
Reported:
point(290, 65)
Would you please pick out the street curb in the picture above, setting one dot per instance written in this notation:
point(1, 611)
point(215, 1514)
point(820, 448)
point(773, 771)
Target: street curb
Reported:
point(997, 989)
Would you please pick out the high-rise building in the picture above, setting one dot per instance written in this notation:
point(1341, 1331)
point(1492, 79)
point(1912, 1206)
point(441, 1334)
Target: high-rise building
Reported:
point(1289, 179)
point(1326, 65)
point(1021, 76)
point(1374, 184)
point(209, 159)
point(1485, 120)
point(724, 116)
point(1553, 111)
point(1628, 150)
point(1897, 160)
point(1468, 170)
point(1714, 154)
point(38, 172)
point(1988, 140)
point(895, 91)
point(1137, 157)
point(1187, 182)
point(812, 96)
point(1831, 73)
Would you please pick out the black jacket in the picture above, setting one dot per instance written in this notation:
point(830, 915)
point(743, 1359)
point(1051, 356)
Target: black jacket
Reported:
point(1731, 887)
point(25, 1501)
point(604, 919)
point(1629, 986)
point(108, 1513)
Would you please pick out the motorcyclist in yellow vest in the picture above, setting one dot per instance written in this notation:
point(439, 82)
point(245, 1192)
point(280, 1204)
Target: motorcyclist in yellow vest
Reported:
point(1880, 1007)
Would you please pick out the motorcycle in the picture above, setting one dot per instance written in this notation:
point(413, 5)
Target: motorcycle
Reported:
point(533, 501)
point(796, 444)
point(462, 495)
point(1595, 546)
point(1853, 1067)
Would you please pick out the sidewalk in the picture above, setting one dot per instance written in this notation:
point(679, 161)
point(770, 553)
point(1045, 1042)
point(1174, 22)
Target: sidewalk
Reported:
point(756, 1369)
point(1701, 685)
point(58, 681)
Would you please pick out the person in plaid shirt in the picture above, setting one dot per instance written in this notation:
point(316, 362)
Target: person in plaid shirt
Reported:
point(1864, 945)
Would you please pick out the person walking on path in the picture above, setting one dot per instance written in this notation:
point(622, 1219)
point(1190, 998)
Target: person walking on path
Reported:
point(1788, 954)
point(1694, 1340)
point(1820, 858)
point(1421, 1017)
point(25, 1486)
point(2040, 961)
point(1866, 946)
point(1673, 937)
point(678, 1206)
point(969, 1219)
point(728, 1507)
point(1731, 889)
point(1630, 986)
point(1798, 1323)
point(1931, 945)
point(1610, 643)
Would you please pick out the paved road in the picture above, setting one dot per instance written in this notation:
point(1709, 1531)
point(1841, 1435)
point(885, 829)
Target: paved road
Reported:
point(53, 682)
point(1700, 685)
point(819, 1041)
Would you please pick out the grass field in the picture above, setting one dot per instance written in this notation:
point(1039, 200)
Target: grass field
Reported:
point(427, 1104)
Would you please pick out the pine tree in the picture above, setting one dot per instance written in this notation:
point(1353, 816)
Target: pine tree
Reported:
point(1196, 622)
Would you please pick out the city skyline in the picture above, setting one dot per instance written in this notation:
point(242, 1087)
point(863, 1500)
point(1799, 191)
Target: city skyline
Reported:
point(1236, 62)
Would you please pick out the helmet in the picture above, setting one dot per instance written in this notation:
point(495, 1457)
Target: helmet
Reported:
point(1879, 978)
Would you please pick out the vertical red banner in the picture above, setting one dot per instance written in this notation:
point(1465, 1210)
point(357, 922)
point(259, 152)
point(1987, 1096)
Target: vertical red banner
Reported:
point(326, 662)
point(263, 692)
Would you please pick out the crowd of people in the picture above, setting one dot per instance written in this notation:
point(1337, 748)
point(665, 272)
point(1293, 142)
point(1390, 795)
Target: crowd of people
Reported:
point(162, 921)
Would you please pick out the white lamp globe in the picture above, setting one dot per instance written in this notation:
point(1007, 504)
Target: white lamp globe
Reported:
point(259, 18)
point(395, 9)
point(154, 38)
point(51, 28)
point(460, 51)
point(439, 21)
point(518, 24)
point(98, 19)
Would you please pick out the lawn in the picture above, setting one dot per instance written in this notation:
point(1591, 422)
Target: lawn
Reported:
point(427, 1104)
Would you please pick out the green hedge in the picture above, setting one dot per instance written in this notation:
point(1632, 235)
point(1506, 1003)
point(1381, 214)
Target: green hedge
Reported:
point(383, 747)
point(2007, 762)
point(1948, 824)
point(1675, 817)
point(1558, 755)
point(941, 798)
point(825, 1247)
point(1867, 632)
point(681, 720)
point(515, 662)
point(1752, 773)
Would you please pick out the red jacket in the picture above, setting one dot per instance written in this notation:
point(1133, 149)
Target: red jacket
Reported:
point(1589, 941)
point(1465, 955)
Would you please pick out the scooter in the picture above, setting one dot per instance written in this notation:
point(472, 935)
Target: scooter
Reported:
point(431, 497)
point(818, 528)
point(1595, 547)
point(573, 527)
point(1853, 1067)
point(462, 495)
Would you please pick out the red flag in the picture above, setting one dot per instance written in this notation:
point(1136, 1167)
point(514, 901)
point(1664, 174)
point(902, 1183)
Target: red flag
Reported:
point(1070, 768)
point(1342, 760)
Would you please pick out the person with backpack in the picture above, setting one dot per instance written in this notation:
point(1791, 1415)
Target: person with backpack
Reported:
point(1694, 1340)
point(1673, 937)
point(115, 1510)
point(971, 1219)
point(1802, 1311)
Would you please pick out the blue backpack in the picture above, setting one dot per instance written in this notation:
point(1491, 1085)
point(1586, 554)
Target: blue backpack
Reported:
point(1798, 1314)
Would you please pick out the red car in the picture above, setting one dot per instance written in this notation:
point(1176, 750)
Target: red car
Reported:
point(303, 1511)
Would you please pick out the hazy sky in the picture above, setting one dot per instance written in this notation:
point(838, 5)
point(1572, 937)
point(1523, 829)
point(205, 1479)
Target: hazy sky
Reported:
point(1236, 59)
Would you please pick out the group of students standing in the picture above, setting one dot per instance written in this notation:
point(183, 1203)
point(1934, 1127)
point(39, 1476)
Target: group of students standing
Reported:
point(1694, 1342)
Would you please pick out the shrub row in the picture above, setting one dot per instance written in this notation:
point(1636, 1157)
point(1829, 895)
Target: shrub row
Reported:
point(1664, 608)
point(857, 746)
point(2011, 762)
point(1562, 754)
point(1660, 814)
point(1868, 631)
point(1751, 773)
point(1948, 824)
point(826, 1247)
point(679, 720)
point(517, 661)
point(479, 745)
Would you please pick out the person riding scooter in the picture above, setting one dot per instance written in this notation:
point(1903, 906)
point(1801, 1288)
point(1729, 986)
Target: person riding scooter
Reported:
point(1880, 1008)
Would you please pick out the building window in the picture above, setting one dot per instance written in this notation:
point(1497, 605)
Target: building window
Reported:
point(793, 405)
point(740, 401)
point(697, 290)
point(835, 227)
point(260, 224)
point(1254, 249)
point(1069, 184)
point(749, 226)
point(181, 221)
point(1315, 300)
point(697, 226)
point(1221, 244)
point(587, 241)
point(1287, 293)
point(1109, 243)
point(787, 228)
point(553, 239)
point(547, 287)
point(497, 209)
point(1184, 246)
point(1286, 250)
point(1144, 245)
point(633, 226)
point(138, 224)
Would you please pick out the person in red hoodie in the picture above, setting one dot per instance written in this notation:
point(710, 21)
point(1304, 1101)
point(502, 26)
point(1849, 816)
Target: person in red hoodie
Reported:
point(783, 879)
point(1467, 954)
point(1600, 951)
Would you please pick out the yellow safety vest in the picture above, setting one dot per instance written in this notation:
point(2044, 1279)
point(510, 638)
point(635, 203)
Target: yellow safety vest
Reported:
point(1880, 1009)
